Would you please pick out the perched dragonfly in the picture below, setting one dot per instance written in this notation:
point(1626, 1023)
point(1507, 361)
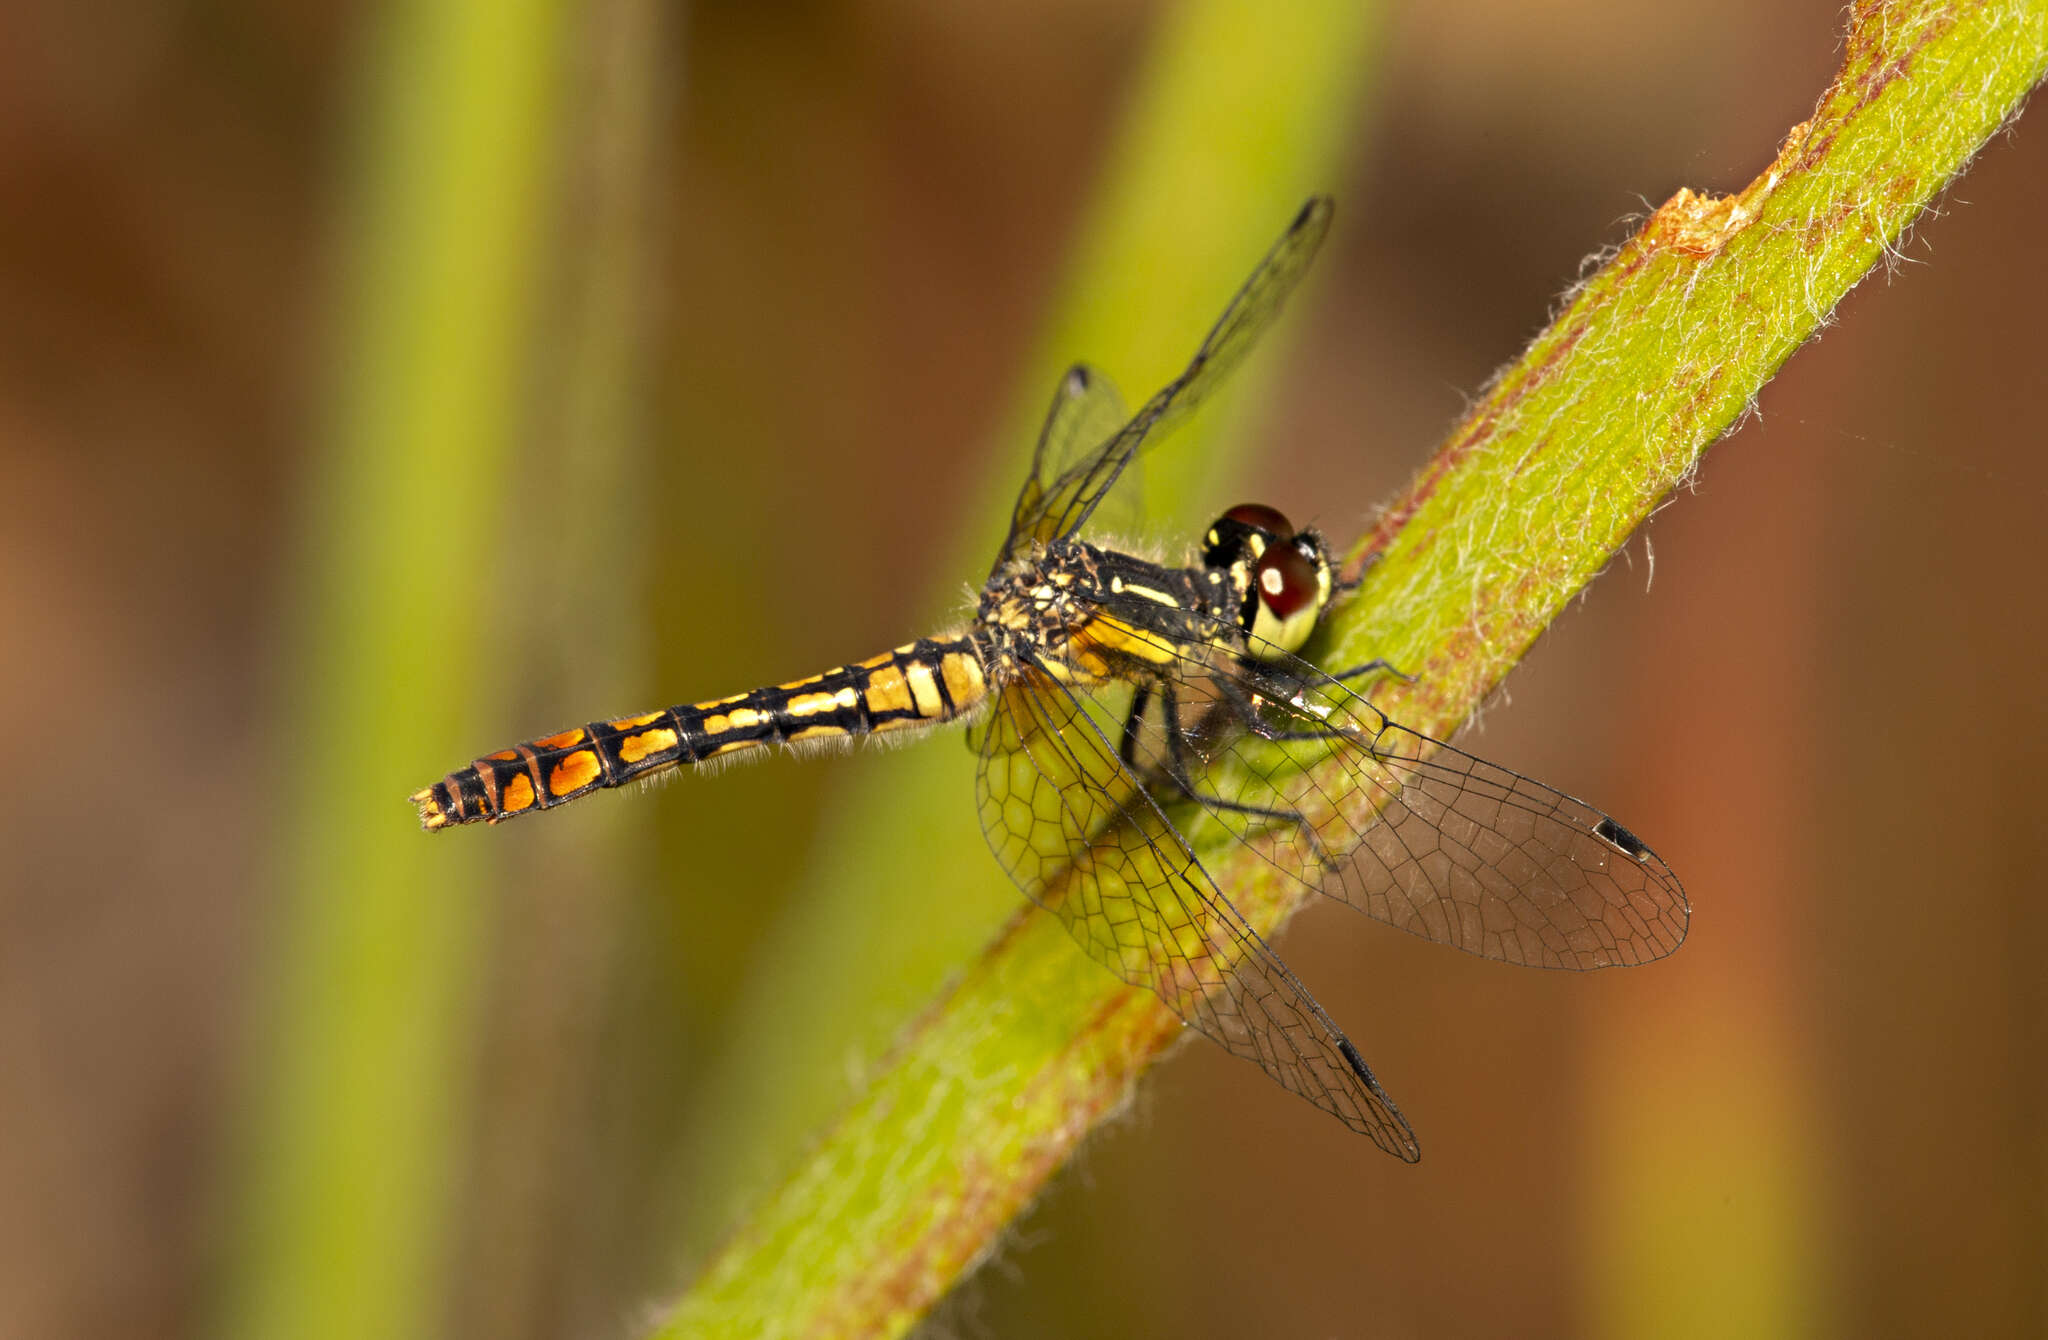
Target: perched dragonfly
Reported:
point(1121, 707)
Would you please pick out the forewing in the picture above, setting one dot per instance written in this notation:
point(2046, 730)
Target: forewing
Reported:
point(1086, 412)
point(1083, 839)
point(1411, 831)
point(1055, 505)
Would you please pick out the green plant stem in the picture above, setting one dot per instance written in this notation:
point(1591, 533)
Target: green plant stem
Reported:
point(1666, 345)
point(346, 1153)
point(581, 465)
point(1653, 358)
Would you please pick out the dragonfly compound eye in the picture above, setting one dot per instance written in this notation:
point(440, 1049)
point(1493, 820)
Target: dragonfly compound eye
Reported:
point(1290, 588)
point(1243, 532)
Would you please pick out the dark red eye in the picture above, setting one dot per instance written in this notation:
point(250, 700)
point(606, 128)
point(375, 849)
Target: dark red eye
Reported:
point(1243, 532)
point(1286, 581)
point(1258, 516)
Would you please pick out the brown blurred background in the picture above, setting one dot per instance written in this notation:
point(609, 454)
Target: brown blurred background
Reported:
point(1826, 1115)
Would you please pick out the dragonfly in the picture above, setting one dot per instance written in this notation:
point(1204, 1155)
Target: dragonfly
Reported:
point(1127, 713)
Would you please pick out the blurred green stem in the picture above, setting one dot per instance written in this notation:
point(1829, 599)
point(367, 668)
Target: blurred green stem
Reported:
point(575, 636)
point(1655, 356)
point(349, 1144)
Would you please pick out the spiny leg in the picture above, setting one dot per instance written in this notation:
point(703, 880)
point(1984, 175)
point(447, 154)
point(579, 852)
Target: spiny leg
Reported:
point(1177, 750)
point(1127, 748)
point(1276, 686)
point(1377, 665)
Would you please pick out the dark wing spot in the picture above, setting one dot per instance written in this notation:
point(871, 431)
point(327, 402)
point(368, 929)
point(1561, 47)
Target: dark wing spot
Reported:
point(1618, 837)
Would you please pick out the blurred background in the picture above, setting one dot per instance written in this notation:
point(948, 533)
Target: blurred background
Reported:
point(382, 385)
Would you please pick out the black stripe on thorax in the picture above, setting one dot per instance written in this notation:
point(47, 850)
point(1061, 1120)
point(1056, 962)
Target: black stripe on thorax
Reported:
point(1178, 602)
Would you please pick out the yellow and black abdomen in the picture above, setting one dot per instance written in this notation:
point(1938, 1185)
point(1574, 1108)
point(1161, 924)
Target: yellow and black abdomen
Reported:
point(923, 683)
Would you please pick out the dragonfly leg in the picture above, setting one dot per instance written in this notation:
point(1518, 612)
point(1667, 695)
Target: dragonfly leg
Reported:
point(1177, 751)
point(1378, 665)
point(1127, 750)
point(1278, 687)
point(1347, 583)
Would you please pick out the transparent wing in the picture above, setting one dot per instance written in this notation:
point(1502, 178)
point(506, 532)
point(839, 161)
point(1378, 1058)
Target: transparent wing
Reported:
point(1082, 838)
point(1404, 828)
point(1059, 496)
point(1086, 412)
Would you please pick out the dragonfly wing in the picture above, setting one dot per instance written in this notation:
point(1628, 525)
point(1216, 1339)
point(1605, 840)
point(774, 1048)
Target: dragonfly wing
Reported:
point(1411, 831)
point(1086, 412)
point(1056, 502)
point(1083, 839)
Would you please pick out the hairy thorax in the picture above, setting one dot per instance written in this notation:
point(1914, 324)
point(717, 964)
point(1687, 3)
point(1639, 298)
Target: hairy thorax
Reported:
point(1083, 616)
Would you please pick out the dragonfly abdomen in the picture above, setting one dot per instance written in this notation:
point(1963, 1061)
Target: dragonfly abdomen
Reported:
point(923, 683)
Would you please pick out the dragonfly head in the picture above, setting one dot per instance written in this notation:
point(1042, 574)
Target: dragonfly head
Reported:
point(1281, 577)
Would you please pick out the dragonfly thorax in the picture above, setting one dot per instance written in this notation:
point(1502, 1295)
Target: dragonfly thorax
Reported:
point(1086, 615)
point(1037, 596)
